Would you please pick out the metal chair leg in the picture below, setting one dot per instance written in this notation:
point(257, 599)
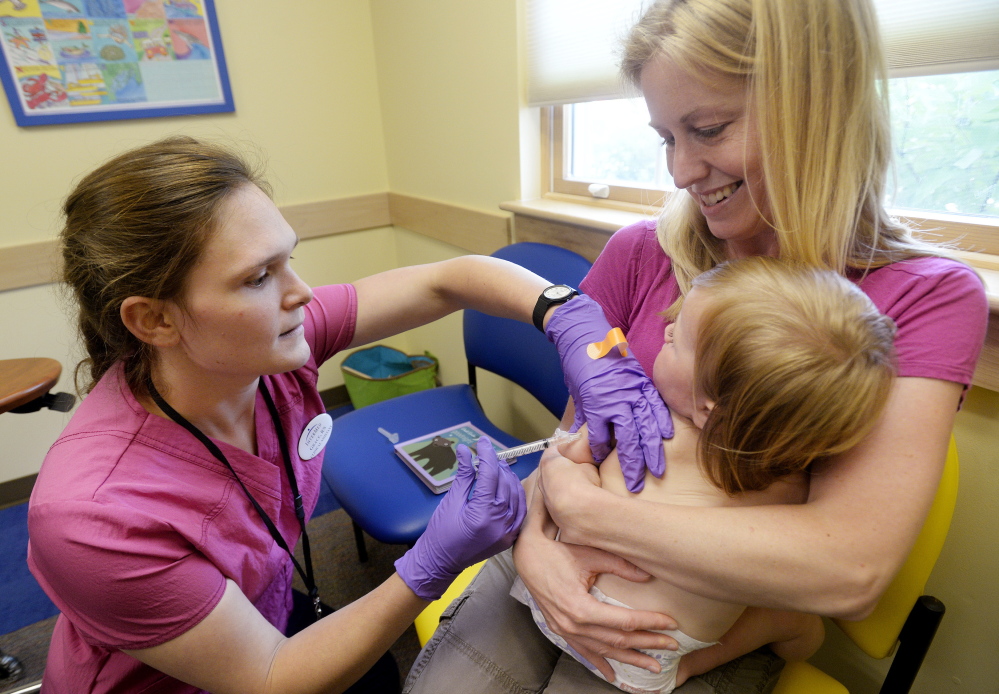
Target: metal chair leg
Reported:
point(914, 642)
point(362, 551)
point(10, 668)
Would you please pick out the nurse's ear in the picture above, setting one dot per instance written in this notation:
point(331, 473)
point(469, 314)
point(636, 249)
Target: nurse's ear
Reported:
point(152, 321)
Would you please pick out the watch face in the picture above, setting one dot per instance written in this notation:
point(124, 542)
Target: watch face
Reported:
point(557, 292)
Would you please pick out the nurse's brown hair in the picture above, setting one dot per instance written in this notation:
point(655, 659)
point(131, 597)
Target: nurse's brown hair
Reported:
point(136, 226)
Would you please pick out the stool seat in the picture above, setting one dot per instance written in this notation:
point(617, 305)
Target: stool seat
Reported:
point(23, 380)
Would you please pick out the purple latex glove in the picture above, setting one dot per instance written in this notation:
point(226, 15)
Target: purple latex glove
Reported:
point(465, 530)
point(610, 390)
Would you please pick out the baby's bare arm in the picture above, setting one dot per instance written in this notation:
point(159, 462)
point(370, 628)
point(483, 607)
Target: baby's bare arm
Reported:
point(791, 635)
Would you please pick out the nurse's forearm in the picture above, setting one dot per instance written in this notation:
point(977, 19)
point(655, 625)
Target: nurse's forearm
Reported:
point(408, 297)
point(343, 646)
point(234, 650)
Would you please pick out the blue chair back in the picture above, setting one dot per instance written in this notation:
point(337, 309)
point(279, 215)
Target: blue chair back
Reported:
point(518, 351)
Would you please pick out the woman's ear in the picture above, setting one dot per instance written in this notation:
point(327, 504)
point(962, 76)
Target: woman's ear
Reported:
point(150, 321)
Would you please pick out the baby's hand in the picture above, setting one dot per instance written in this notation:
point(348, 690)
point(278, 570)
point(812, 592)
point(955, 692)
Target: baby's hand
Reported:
point(578, 451)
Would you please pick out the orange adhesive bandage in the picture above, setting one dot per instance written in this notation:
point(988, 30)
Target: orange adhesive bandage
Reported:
point(615, 338)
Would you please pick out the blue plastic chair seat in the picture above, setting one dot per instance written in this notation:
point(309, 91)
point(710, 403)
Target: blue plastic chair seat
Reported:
point(377, 490)
point(382, 494)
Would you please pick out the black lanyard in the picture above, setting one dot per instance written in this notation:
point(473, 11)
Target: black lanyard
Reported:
point(307, 575)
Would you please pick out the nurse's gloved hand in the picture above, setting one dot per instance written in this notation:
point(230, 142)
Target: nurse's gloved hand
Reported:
point(466, 529)
point(611, 390)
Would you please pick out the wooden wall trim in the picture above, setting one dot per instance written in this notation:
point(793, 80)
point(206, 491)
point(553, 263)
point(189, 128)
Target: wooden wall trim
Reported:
point(314, 219)
point(477, 231)
point(471, 229)
point(979, 235)
point(16, 491)
point(583, 240)
point(987, 371)
point(31, 264)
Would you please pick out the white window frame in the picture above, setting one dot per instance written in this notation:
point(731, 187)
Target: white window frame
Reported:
point(972, 234)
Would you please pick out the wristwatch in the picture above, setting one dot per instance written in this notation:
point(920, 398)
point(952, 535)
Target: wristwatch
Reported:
point(555, 294)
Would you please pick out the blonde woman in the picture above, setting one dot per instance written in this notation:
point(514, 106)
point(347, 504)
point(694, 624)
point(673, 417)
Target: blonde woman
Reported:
point(775, 124)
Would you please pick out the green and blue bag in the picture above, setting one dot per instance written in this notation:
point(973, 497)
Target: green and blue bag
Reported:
point(378, 373)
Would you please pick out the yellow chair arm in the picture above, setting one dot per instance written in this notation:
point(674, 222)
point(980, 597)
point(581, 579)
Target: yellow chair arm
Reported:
point(426, 622)
point(800, 677)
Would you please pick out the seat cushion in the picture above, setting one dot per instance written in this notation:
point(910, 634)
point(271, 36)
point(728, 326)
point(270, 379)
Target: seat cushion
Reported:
point(802, 678)
point(378, 490)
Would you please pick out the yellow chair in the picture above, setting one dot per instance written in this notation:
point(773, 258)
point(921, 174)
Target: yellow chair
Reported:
point(904, 616)
point(426, 622)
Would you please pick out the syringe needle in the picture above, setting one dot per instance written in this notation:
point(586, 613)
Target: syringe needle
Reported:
point(539, 445)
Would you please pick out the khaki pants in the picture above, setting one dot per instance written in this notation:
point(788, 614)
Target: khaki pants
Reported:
point(487, 643)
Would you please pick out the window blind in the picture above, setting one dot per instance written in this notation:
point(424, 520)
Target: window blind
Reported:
point(573, 45)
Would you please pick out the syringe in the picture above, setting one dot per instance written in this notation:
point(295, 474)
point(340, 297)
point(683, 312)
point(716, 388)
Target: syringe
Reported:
point(559, 437)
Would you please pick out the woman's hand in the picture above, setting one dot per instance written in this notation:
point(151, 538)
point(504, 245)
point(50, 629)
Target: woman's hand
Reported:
point(565, 485)
point(559, 576)
point(612, 391)
point(579, 451)
point(466, 529)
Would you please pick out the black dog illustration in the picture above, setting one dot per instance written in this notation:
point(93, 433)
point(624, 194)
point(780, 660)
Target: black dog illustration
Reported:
point(439, 455)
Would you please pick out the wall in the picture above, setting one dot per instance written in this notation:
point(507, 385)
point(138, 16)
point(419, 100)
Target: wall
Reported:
point(312, 114)
point(449, 85)
point(448, 81)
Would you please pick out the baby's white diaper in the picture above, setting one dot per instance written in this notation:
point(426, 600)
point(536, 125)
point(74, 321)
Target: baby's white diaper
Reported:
point(629, 678)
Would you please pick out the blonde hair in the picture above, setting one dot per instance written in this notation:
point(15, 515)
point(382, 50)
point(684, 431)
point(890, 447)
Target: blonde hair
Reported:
point(815, 83)
point(136, 226)
point(798, 362)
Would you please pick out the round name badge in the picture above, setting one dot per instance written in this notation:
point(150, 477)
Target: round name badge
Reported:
point(316, 434)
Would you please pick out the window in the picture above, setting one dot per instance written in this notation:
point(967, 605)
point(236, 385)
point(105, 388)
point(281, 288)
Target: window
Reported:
point(944, 134)
point(946, 142)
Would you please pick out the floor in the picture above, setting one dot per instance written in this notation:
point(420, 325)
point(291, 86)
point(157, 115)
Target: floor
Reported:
point(340, 576)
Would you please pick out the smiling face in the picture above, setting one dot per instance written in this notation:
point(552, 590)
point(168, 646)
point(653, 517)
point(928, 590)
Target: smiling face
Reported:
point(673, 371)
point(712, 151)
point(243, 304)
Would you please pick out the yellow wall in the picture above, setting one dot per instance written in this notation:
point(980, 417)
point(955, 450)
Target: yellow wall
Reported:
point(306, 96)
point(448, 79)
point(306, 102)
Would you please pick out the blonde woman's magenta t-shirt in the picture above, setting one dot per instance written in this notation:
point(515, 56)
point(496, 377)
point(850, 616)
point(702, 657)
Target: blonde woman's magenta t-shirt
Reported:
point(939, 305)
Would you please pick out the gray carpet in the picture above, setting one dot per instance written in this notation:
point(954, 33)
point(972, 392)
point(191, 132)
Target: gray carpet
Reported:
point(341, 579)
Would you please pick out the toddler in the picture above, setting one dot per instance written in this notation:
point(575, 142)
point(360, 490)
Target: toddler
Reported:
point(767, 368)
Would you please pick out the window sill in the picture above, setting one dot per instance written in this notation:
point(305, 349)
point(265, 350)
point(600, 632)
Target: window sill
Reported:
point(584, 225)
point(606, 217)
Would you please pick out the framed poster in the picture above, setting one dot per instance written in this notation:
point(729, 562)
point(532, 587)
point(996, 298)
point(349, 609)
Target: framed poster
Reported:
point(72, 61)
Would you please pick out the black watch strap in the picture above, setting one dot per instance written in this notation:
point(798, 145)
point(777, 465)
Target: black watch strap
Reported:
point(555, 294)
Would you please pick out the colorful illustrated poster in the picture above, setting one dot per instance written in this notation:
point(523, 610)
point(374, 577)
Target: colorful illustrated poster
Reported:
point(67, 61)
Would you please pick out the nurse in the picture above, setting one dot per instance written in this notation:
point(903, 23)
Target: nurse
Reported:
point(162, 518)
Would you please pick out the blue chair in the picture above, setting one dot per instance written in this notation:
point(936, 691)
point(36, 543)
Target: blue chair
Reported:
point(382, 496)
